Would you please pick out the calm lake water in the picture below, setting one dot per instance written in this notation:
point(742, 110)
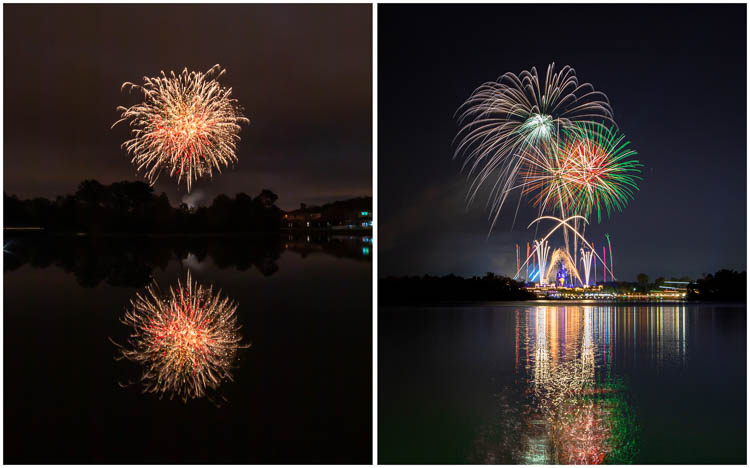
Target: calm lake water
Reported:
point(302, 393)
point(562, 383)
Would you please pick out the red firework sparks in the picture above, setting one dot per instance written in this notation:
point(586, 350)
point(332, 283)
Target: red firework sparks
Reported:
point(188, 124)
point(186, 340)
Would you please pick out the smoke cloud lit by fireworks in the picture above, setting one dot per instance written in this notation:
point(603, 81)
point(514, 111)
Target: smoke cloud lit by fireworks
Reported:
point(187, 125)
point(186, 340)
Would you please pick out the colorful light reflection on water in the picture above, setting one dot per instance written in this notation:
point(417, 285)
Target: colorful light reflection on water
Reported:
point(574, 409)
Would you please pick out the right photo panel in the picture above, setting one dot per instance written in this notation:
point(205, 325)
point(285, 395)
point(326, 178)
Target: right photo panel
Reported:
point(562, 234)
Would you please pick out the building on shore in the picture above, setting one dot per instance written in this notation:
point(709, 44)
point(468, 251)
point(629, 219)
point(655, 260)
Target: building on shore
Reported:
point(303, 218)
point(599, 292)
point(354, 214)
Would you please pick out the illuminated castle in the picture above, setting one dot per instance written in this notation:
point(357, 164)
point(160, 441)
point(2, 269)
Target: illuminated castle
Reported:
point(562, 277)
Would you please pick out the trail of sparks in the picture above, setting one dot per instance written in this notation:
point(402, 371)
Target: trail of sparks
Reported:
point(593, 248)
point(542, 250)
point(587, 170)
point(597, 170)
point(518, 258)
point(561, 256)
point(503, 118)
point(564, 223)
point(186, 340)
point(188, 124)
point(610, 254)
point(527, 264)
point(552, 140)
point(586, 257)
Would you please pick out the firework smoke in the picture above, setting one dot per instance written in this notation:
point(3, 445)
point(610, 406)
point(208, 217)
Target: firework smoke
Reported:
point(188, 125)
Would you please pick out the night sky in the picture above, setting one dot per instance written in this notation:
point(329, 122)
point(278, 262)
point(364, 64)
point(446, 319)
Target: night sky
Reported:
point(302, 73)
point(675, 76)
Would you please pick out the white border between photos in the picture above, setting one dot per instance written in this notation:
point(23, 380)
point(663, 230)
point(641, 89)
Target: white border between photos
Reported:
point(375, 216)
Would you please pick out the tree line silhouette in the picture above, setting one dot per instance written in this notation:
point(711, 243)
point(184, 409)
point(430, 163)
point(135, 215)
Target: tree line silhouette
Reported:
point(422, 289)
point(722, 286)
point(132, 207)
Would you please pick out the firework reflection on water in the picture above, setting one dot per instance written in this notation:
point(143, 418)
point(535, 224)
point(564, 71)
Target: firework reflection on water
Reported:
point(185, 340)
point(569, 403)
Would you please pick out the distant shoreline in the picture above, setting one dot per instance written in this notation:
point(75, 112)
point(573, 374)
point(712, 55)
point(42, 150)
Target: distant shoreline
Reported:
point(328, 229)
point(42, 232)
point(555, 302)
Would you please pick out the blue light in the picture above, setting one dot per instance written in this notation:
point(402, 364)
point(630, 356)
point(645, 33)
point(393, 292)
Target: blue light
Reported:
point(562, 276)
point(534, 274)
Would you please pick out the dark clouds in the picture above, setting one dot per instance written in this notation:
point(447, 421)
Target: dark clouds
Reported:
point(676, 77)
point(303, 73)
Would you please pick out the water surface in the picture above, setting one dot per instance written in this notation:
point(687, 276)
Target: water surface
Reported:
point(300, 394)
point(562, 383)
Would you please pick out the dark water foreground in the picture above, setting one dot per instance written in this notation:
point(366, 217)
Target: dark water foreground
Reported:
point(300, 394)
point(573, 384)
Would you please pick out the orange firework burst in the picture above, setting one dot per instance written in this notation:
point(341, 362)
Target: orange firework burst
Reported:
point(187, 124)
point(187, 340)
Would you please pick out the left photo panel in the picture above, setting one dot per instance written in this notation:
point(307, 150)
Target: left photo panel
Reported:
point(187, 237)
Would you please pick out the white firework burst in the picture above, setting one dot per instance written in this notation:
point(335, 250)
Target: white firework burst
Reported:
point(187, 124)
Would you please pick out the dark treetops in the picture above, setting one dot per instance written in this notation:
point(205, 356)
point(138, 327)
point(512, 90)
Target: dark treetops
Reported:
point(427, 288)
point(723, 286)
point(132, 207)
